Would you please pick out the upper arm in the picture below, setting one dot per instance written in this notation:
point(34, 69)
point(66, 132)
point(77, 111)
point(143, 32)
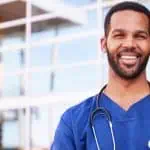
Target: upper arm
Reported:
point(64, 138)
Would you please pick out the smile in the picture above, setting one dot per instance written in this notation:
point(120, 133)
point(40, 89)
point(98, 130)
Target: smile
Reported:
point(129, 59)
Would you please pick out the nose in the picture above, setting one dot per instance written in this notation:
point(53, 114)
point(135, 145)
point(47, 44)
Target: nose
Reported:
point(129, 42)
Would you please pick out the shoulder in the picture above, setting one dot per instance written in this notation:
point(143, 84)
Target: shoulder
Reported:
point(80, 109)
point(73, 124)
point(78, 115)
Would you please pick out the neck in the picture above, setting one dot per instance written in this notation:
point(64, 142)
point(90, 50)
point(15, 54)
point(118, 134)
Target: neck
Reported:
point(127, 92)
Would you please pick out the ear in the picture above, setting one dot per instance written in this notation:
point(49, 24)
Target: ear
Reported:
point(103, 44)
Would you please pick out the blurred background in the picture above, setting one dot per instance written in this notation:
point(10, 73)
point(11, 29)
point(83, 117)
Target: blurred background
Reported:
point(50, 59)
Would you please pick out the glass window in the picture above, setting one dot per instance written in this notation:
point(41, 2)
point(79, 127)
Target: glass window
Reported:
point(13, 128)
point(78, 50)
point(10, 135)
point(79, 3)
point(55, 112)
point(41, 56)
point(10, 129)
point(11, 86)
point(40, 127)
point(44, 29)
point(91, 24)
point(92, 20)
point(40, 6)
point(40, 83)
point(13, 60)
point(47, 29)
point(11, 37)
point(107, 0)
point(105, 11)
point(78, 79)
point(145, 3)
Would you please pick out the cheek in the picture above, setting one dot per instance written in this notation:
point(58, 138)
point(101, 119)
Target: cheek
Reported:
point(146, 48)
point(113, 46)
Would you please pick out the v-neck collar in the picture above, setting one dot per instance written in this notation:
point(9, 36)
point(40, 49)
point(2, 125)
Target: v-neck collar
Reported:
point(117, 112)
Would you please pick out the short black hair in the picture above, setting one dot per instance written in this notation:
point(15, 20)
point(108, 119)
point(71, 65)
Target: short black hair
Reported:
point(127, 5)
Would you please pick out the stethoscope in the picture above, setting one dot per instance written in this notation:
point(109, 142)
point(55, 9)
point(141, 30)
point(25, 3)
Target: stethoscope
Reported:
point(101, 111)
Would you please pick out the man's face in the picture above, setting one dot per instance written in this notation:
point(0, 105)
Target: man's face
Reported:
point(128, 43)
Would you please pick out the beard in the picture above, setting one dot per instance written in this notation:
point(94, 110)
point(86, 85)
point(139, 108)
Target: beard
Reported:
point(127, 72)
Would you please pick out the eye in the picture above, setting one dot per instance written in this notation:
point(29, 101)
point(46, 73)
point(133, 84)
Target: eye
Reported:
point(118, 36)
point(141, 36)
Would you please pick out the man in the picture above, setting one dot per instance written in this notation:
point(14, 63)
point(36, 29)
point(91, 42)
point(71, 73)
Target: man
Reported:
point(118, 118)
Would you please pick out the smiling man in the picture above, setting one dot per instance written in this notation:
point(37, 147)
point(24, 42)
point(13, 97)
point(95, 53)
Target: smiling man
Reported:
point(127, 43)
point(118, 117)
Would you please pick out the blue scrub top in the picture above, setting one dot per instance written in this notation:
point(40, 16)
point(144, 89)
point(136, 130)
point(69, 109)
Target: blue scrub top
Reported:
point(131, 128)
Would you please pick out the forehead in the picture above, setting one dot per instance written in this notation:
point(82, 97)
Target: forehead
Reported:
point(129, 20)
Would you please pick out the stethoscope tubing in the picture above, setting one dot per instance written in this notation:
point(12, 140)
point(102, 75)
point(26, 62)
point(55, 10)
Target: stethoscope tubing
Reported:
point(95, 137)
point(101, 111)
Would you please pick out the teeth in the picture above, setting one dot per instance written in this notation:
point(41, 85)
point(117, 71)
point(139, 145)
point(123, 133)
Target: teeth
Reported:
point(128, 57)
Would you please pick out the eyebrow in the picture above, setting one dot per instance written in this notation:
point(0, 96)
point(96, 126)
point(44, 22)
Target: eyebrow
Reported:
point(137, 31)
point(142, 32)
point(118, 30)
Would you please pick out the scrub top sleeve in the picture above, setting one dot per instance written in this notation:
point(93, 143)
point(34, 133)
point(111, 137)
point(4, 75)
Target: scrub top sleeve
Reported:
point(64, 139)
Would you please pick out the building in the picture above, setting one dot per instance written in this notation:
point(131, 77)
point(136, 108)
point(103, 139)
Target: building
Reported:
point(50, 60)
